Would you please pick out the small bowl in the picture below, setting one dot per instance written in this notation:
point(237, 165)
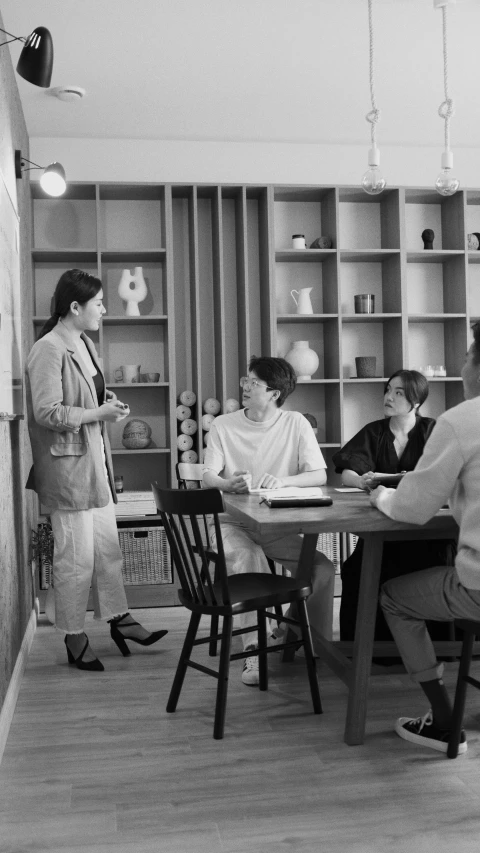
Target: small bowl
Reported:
point(150, 377)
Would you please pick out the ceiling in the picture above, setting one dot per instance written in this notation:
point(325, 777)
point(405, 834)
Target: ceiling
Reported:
point(252, 70)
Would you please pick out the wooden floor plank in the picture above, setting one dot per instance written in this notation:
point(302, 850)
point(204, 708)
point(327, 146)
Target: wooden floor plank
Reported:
point(94, 764)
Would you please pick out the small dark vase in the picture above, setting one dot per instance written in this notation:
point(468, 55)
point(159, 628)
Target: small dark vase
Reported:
point(428, 237)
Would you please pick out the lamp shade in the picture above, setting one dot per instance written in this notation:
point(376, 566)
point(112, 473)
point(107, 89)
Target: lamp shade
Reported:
point(36, 59)
point(53, 180)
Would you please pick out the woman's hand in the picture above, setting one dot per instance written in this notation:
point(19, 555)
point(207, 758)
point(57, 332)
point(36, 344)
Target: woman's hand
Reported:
point(113, 411)
point(366, 481)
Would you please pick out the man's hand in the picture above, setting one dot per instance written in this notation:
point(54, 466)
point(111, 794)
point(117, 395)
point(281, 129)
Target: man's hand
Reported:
point(270, 482)
point(239, 484)
point(374, 496)
point(366, 481)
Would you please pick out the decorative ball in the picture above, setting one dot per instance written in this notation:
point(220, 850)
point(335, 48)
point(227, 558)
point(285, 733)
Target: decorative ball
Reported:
point(206, 438)
point(322, 243)
point(184, 442)
point(187, 398)
point(211, 406)
point(183, 412)
point(477, 235)
point(311, 420)
point(188, 426)
point(231, 405)
point(207, 421)
point(189, 456)
point(473, 242)
point(136, 435)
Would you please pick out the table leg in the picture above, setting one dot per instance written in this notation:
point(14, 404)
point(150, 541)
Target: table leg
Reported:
point(364, 636)
point(304, 575)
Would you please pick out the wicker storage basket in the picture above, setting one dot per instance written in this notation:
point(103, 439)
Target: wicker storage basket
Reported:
point(146, 555)
point(329, 544)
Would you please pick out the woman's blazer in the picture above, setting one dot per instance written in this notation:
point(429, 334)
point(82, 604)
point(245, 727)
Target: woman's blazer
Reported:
point(68, 460)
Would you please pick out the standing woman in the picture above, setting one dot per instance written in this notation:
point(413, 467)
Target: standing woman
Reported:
point(391, 445)
point(68, 405)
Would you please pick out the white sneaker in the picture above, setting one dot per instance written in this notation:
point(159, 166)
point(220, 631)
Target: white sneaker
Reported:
point(250, 669)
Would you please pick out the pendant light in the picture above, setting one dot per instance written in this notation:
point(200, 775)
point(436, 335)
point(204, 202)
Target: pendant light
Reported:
point(373, 181)
point(36, 59)
point(446, 183)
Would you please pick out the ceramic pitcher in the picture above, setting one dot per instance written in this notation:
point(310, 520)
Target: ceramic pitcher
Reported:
point(303, 303)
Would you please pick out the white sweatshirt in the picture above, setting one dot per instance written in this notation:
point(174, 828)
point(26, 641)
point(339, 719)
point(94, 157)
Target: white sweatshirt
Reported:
point(448, 471)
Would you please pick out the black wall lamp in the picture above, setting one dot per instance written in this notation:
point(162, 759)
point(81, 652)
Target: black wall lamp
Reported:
point(53, 180)
point(36, 59)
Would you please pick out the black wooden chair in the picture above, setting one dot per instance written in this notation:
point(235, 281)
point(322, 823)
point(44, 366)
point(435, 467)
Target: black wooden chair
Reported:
point(182, 513)
point(470, 631)
point(190, 476)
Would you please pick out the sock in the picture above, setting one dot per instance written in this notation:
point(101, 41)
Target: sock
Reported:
point(436, 693)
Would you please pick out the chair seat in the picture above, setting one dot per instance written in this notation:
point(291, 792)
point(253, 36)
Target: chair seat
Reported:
point(250, 591)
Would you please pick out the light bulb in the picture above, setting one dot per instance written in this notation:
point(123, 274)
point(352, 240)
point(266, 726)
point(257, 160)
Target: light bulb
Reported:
point(373, 181)
point(446, 183)
point(53, 180)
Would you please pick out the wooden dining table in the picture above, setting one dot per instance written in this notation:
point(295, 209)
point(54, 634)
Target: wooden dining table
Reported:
point(350, 512)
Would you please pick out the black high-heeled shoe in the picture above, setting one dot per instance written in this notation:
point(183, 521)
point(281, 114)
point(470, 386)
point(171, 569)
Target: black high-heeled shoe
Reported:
point(92, 665)
point(119, 638)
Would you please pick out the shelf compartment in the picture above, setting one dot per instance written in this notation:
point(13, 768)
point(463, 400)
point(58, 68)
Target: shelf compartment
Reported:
point(473, 286)
point(66, 223)
point(323, 337)
point(152, 320)
point(376, 273)
point(435, 285)
point(303, 318)
point(144, 344)
point(322, 278)
point(147, 407)
point(433, 343)
point(304, 256)
point(323, 402)
point(384, 341)
point(153, 268)
point(308, 211)
point(445, 216)
point(369, 223)
point(362, 404)
point(131, 216)
point(140, 468)
point(442, 396)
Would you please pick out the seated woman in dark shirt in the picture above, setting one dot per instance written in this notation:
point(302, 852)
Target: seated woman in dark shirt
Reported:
point(391, 445)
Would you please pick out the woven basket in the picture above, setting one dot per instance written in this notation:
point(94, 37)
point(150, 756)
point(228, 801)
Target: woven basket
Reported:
point(329, 544)
point(146, 555)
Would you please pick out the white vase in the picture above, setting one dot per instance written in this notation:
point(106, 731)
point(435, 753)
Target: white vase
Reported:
point(304, 360)
point(132, 295)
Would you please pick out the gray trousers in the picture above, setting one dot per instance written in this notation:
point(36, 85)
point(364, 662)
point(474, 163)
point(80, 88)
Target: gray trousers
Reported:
point(411, 599)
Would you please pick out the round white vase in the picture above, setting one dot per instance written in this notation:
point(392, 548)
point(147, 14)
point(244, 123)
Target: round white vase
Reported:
point(304, 360)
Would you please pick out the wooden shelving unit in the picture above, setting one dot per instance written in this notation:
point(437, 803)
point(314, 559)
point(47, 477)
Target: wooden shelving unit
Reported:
point(220, 267)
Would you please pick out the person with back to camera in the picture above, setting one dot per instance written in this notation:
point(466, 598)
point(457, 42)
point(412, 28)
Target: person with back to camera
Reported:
point(68, 405)
point(449, 470)
point(266, 446)
point(391, 445)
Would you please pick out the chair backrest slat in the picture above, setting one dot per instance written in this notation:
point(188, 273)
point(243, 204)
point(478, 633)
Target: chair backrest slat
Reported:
point(181, 510)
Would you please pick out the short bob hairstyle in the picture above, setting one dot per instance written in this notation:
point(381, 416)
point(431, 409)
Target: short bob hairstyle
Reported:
point(415, 386)
point(277, 373)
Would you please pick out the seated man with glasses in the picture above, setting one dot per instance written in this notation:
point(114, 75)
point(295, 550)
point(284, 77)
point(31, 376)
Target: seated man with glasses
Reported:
point(263, 445)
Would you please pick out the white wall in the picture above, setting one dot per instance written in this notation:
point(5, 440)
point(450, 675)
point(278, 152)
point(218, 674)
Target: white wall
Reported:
point(215, 162)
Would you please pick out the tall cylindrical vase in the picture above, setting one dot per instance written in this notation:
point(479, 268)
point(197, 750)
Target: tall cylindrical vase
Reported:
point(304, 360)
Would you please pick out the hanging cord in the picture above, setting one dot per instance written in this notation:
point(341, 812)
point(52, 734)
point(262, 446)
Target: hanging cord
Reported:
point(446, 109)
point(374, 115)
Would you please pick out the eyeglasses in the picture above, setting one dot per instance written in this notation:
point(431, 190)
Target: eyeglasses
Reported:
point(245, 382)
